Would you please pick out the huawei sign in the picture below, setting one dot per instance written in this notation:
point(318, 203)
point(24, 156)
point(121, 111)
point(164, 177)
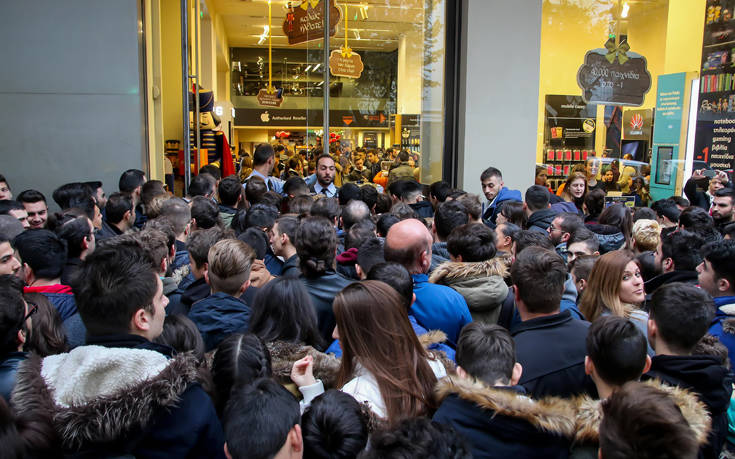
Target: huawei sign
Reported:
point(636, 122)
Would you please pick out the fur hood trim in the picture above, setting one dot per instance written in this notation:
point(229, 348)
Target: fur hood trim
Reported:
point(589, 414)
point(107, 417)
point(453, 270)
point(728, 326)
point(284, 354)
point(436, 337)
point(552, 415)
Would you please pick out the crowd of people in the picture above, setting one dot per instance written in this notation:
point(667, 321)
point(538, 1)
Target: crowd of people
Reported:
point(270, 316)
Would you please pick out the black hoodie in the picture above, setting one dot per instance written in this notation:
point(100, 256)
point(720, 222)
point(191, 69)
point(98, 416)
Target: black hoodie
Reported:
point(541, 219)
point(712, 383)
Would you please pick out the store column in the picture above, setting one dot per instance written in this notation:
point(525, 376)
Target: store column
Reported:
point(499, 84)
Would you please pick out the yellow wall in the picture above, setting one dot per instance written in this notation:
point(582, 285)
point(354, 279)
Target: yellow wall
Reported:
point(567, 33)
point(669, 36)
point(171, 70)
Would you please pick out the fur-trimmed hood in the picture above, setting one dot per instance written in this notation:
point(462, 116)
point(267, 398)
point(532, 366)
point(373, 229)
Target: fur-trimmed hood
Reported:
point(481, 284)
point(589, 414)
point(97, 395)
point(284, 354)
point(551, 415)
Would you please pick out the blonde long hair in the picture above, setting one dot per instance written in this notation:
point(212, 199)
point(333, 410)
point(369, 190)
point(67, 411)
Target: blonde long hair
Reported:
point(603, 286)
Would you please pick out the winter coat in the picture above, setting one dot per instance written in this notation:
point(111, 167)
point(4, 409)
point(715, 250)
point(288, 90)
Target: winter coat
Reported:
point(552, 350)
point(363, 387)
point(502, 422)
point(284, 354)
point(439, 255)
point(610, 237)
point(588, 416)
point(402, 172)
point(690, 277)
point(8, 369)
point(226, 214)
point(565, 206)
point(723, 325)
point(121, 398)
point(491, 210)
point(107, 231)
point(439, 308)
point(480, 283)
point(291, 267)
point(59, 295)
point(322, 291)
point(541, 220)
point(218, 316)
point(423, 208)
point(709, 380)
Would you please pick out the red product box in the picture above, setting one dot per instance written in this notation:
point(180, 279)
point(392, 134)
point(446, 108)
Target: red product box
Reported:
point(584, 155)
point(577, 155)
point(550, 170)
point(549, 155)
point(558, 169)
point(566, 170)
point(559, 155)
point(567, 155)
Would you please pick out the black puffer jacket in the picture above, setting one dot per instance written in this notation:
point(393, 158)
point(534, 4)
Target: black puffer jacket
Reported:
point(705, 376)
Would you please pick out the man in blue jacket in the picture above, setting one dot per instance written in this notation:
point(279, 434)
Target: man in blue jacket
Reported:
point(717, 277)
point(496, 194)
point(437, 307)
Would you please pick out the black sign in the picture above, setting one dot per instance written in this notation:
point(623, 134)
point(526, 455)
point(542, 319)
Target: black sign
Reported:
point(613, 83)
point(370, 139)
point(570, 122)
point(265, 117)
point(714, 141)
point(637, 124)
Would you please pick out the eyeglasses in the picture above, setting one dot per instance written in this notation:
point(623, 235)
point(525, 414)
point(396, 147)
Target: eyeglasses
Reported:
point(34, 309)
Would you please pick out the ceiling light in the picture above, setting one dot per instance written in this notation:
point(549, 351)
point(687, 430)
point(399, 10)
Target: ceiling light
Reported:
point(308, 67)
point(364, 11)
point(626, 9)
point(316, 67)
point(357, 34)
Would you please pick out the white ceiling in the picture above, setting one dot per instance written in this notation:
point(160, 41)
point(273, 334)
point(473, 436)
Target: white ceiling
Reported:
point(244, 21)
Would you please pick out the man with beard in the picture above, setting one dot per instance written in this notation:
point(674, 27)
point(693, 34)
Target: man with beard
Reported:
point(722, 207)
point(325, 173)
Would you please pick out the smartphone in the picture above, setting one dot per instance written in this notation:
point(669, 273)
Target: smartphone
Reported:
point(709, 173)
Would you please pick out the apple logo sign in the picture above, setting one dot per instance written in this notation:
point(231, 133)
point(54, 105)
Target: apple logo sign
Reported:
point(265, 117)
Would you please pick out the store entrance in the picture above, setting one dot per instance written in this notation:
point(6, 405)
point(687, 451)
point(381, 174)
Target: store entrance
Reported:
point(264, 68)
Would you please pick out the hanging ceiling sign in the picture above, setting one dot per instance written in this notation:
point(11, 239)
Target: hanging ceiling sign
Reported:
point(614, 76)
point(305, 22)
point(345, 64)
point(270, 99)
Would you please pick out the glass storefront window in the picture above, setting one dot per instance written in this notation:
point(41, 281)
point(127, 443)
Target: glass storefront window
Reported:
point(397, 101)
point(577, 135)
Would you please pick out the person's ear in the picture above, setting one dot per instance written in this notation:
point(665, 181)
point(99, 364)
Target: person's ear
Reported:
point(667, 263)
point(723, 285)
point(127, 215)
point(164, 265)
point(582, 284)
point(597, 253)
point(652, 332)
point(515, 377)
point(525, 206)
point(459, 259)
point(647, 365)
point(206, 278)
point(227, 452)
point(21, 336)
point(461, 372)
point(85, 243)
point(243, 287)
point(28, 275)
point(295, 439)
point(589, 367)
point(140, 321)
point(360, 272)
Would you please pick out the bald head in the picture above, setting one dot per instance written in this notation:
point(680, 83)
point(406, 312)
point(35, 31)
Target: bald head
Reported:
point(409, 243)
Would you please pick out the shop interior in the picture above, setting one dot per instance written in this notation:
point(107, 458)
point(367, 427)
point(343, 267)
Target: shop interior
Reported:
point(237, 48)
point(668, 33)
